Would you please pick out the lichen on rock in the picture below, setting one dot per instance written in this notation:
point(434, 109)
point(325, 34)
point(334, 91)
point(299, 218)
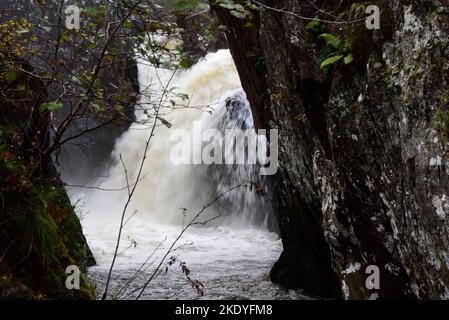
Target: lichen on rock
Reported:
point(363, 177)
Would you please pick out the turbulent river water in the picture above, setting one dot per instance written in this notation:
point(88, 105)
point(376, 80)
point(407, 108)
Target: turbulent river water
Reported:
point(232, 254)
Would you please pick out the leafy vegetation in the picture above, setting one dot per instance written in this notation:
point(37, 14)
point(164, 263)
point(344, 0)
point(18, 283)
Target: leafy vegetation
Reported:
point(337, 43)
point(338, 50)
point(238, 10)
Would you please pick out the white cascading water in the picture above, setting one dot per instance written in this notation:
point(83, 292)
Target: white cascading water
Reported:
point(231, 255)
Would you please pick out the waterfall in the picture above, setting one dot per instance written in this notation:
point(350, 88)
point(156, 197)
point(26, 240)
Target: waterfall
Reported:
point(231, 253)
point(216, 100)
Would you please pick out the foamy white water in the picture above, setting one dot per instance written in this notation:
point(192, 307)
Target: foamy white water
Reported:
point(231, 255)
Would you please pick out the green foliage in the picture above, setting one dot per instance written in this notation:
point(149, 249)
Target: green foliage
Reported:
point(10, 76)
point(331, 60)
point(14, 34)
point(336, 49)
point(91, 11)
point(96, 107)
point(236, 9)
point(192, 5)
point(357, 10)
point(331, 40)
point(50, 106)
point(315, 26)
point(186, 5)
point(348, 59)
point(185, 62)
point(350, 42)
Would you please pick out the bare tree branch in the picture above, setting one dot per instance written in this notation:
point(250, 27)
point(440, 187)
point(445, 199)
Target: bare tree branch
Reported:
point(304, 17)
point(131, 193)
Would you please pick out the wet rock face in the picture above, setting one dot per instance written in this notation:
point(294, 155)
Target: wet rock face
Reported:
point(384, 186)
point(363, 176)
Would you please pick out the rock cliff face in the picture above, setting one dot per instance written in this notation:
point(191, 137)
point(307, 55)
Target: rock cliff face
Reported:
point(363, 177)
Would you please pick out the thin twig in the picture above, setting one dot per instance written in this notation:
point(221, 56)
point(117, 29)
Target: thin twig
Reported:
point(304, 17)
point(184, 229)
point(131, 193)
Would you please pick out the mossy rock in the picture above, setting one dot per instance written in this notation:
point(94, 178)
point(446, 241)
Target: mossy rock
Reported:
point(40, 234)
point(39, 237)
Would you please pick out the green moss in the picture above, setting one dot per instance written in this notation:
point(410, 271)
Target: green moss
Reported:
point(40, 234)
point(61, 210)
